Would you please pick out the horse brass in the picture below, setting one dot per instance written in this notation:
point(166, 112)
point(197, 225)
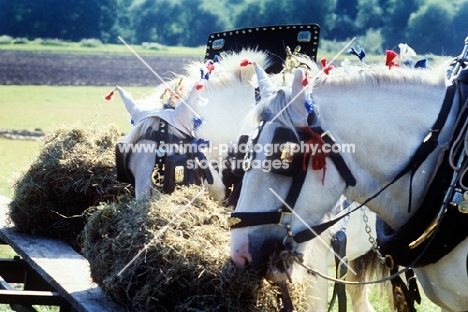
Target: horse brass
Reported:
point(158, 177)
point(465, 195)
point(287, 151)
point(179, 174)
point(463, 207)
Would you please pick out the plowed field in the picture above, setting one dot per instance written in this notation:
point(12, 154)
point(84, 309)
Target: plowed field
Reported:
point(23, 68)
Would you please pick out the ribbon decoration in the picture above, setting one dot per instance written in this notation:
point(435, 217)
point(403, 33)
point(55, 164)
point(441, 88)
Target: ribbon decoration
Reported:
point(318, 155)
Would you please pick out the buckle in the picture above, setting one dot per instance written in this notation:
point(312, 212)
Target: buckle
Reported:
point(327, 133)
point(283, 214)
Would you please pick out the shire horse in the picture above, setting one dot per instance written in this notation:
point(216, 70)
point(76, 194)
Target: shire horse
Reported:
point(192, 111)
point(226, 104)
point(408, 131)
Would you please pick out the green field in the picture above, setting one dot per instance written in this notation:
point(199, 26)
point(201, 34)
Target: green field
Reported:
point(47, 107)
point(56, 46)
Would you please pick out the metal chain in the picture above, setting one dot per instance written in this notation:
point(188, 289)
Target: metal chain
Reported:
point(372, 240)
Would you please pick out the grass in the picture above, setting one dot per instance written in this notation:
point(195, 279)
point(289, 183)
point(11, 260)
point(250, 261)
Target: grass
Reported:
point(54, 46)
point(379, 299)
point(47, 107)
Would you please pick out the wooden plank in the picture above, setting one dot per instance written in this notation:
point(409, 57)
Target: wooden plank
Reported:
point(31, 297)
point(62, 267)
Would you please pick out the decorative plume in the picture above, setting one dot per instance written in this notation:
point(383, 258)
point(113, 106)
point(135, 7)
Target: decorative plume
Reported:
point(197, 122)
point(109, 96)
point(205, 73)
point(389, 57)
point(422, 63)
point(309, 105)
point(199, 85)
point(210, 66)
point(361, 55)
point(245, 62)
point(407, 54)
point(346, 64)
point(319, 161)
point(326, 67)
point(405, 51)
point(305, 80)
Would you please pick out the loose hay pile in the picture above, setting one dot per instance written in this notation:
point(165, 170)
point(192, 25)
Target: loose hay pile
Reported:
point(74, 170)
point(186, 268)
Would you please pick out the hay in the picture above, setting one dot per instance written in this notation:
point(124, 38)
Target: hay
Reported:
point(187, 268)
point(75, 169)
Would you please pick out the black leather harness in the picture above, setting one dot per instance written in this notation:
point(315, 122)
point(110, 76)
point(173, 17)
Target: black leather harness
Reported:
point(439, 212)
point(283, 214)
point(165, 165)
point(437, 215)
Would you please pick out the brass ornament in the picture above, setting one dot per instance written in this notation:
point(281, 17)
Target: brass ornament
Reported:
point(233, 221)
point(179, 174)
point(287, 151)
point(157, 177)
point(463, 207)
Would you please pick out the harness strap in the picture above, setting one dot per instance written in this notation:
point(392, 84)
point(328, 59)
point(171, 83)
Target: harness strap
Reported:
point(429, 143)
point(245, 219)
point(338, 160)
point(339, 247)
point(426, 147)
point(404, 296)
point(287, 304)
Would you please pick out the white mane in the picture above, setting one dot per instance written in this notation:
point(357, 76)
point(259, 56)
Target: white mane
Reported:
point(382, 75)
point(351, 78)
point(227, 80)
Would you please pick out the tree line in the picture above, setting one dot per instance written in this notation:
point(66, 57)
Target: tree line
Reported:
point(429, 26)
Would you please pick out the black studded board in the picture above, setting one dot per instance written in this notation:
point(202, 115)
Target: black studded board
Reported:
point(273, 39)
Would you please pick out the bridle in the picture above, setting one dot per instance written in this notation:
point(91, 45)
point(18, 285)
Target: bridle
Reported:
point(169, 169)
point(286, 137)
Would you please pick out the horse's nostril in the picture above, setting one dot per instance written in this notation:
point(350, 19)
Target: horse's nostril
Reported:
point(240, 261)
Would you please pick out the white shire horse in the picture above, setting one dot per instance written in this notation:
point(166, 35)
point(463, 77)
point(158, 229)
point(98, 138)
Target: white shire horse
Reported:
point(224, 103)
point(398, 127)
point(213, 110)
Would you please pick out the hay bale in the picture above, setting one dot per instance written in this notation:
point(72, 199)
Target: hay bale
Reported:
point(75, 169)
point(186, 267)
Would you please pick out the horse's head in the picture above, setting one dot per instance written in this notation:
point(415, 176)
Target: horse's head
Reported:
point(296, 172)
point(157, 153)
point(273, 206)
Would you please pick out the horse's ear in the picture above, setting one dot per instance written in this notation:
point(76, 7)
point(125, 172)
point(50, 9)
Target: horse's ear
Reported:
point(299, 97)
point(126, 97)
point(264, 83)
point(186, 112)
point(191, 102)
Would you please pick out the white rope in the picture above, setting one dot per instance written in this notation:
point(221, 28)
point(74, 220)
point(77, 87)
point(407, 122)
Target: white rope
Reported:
point(336, 280)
